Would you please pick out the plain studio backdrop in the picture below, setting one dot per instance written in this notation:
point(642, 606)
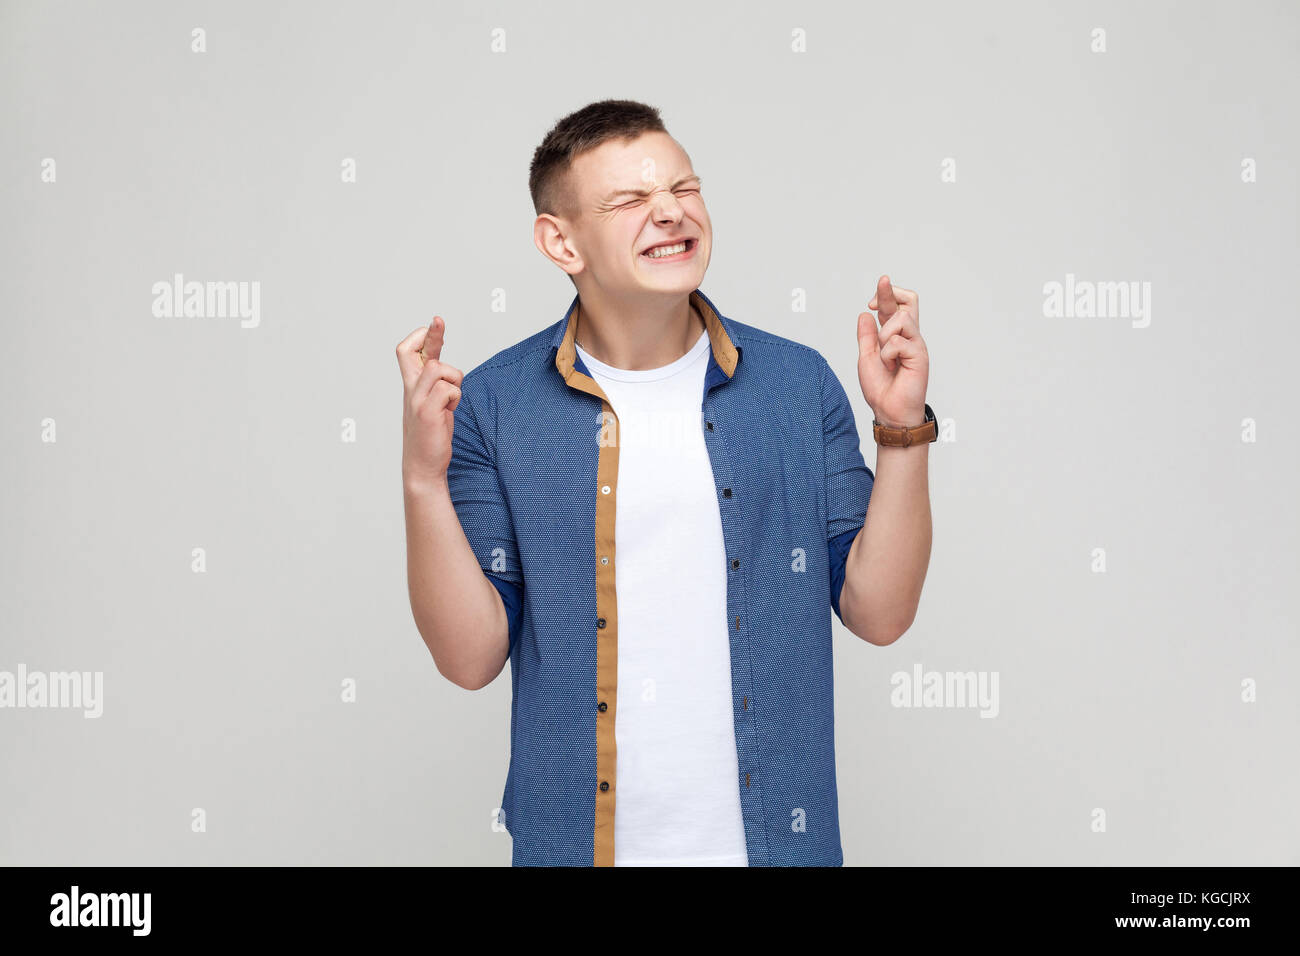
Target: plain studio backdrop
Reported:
point(208, 511)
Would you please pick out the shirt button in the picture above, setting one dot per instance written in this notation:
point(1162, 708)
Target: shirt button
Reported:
point(602, 707)
point(604, 785)
point(735, 563)
point(709, 425)
point(600, 622)
point(604, 490)
point(726, 492)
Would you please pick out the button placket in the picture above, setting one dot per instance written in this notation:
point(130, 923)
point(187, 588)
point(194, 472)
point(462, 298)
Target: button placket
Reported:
point(606, 690)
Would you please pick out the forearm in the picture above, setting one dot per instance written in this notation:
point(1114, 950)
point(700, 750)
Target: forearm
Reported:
point(457, 610)
point(888, 561)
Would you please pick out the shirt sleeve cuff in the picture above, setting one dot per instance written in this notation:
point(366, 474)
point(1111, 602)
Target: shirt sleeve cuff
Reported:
point(839, 556)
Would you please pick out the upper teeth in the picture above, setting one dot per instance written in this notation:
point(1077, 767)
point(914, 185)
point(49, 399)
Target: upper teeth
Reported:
point(660, 251)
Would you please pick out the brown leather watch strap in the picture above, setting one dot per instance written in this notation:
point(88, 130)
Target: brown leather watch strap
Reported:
point(927, 431)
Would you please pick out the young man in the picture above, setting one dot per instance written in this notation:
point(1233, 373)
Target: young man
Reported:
point(652, 509)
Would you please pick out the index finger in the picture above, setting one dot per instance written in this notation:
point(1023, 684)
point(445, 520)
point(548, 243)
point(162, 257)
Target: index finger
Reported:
point(408, 355)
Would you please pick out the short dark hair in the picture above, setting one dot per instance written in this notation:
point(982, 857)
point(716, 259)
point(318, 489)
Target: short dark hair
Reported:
point(576, 134)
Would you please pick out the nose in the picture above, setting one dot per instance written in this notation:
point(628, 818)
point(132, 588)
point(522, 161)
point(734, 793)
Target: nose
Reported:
point(665, 208)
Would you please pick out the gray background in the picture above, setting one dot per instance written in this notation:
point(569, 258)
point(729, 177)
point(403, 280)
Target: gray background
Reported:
point(1119, 691)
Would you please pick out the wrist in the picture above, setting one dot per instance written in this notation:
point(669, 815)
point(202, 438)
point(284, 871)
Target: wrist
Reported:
point(899, 429)
point(425, 486)
point(907, 420)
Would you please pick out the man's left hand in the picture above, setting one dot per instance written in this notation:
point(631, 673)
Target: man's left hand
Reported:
point(893, 364)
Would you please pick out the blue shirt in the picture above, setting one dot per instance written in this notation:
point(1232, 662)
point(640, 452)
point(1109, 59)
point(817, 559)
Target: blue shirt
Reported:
point(534, 481)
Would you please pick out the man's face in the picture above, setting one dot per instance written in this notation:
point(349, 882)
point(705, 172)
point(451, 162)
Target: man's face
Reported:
point(632, 197)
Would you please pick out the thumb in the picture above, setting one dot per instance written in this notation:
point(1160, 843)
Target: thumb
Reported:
point(868, 338)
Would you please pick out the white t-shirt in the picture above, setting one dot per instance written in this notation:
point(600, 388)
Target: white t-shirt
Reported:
point(678, 793)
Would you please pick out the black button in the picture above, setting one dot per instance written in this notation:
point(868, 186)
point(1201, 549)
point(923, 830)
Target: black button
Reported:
point(726, 492)
point(709, 425)
point(735, 563)
point(604, 785)
point(602, 707)
point(600, 622)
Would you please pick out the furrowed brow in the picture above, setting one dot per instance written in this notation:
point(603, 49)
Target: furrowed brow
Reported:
point(646, 192)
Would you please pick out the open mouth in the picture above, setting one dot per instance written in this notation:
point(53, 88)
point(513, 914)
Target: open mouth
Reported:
point(671, 252)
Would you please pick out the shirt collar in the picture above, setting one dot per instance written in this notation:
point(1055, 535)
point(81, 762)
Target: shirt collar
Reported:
point(724, 353)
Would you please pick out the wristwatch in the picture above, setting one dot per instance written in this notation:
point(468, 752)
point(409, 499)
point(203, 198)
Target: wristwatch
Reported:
point(927, 431)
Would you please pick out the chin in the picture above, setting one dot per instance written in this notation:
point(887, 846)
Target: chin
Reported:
point(679, 282)
point(684, 280)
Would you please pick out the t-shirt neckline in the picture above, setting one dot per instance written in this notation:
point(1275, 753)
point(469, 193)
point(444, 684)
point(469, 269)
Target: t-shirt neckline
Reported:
point(649, 374)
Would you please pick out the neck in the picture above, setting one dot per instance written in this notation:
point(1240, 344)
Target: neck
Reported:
point(638, 336)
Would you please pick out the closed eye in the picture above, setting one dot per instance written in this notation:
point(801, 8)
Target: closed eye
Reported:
point(633, 202)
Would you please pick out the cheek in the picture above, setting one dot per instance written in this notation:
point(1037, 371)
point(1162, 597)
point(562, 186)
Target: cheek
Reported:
point(701, 217)
point(627, 242)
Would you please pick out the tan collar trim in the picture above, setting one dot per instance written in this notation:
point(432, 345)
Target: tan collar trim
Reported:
point(724, 351)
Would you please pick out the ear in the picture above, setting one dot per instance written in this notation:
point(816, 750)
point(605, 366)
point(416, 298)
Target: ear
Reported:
point(549, 235)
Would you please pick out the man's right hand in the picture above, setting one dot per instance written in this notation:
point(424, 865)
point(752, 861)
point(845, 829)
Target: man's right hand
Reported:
point(432, 392)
